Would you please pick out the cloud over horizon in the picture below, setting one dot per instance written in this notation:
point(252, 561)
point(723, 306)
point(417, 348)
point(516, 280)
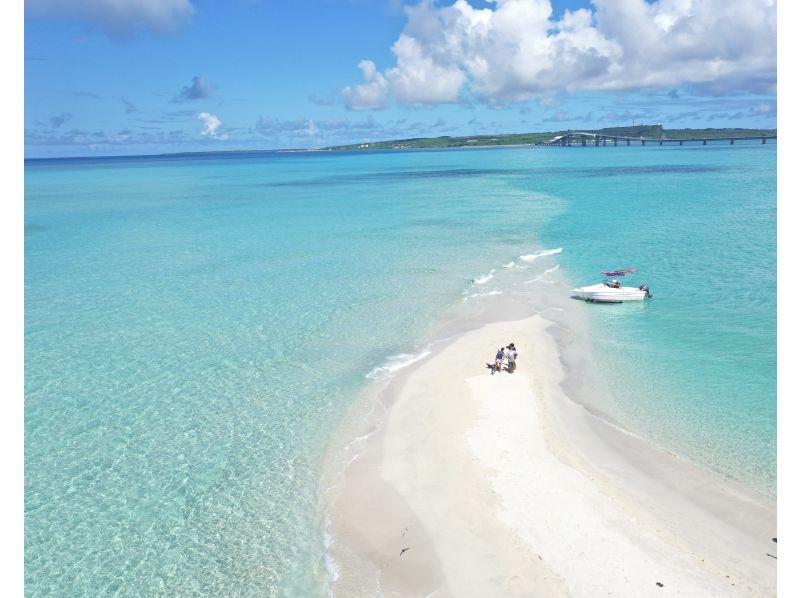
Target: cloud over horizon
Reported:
point(117, 17)
point(211, 125)
point(516, 51)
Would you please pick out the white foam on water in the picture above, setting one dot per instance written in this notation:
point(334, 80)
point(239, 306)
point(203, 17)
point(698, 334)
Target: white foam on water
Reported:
point(541, 277)
point(486, 294)
point(398, 362)
point(331, 566)
point(358, 444)
point(509, 264)
point(483, 279)
point(534, 256)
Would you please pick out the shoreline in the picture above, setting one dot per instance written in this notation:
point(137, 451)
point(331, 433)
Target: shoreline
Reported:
point(424, 471)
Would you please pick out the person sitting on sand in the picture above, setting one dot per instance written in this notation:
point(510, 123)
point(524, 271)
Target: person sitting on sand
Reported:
point(511, 355)
point(498, 361)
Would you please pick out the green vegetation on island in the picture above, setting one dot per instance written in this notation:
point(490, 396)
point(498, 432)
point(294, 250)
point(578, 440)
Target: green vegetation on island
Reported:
point(639, 131)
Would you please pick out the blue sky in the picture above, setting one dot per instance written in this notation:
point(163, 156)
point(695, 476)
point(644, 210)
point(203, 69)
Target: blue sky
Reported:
point(111, 77)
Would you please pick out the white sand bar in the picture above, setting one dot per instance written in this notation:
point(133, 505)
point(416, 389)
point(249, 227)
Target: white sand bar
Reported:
point(499, 485)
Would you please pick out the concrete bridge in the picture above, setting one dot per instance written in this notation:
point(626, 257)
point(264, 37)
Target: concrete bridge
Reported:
point(598, 139)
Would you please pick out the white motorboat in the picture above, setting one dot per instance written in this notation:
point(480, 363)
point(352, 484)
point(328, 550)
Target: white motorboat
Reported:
point(611, 291)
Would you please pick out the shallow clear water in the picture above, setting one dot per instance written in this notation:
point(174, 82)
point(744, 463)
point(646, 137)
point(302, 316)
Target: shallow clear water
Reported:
point(196, 326)
point(695, 368)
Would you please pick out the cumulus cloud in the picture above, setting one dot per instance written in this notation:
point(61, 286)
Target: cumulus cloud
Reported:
point(372, 93)
point(118, 17)
point(420, 77)
point(200, 88)
point(211, 125)
point(516, 50)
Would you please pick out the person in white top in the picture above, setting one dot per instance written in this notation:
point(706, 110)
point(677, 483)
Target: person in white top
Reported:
point(511, 356)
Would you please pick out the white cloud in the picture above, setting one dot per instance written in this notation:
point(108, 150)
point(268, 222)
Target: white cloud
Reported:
point(421, 77)
point(515, 50)
point(116, 16)
point(211, 125)
point(370, 95)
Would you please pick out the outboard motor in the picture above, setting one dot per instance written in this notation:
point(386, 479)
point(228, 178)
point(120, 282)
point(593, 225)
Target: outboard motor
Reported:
point(646, 290)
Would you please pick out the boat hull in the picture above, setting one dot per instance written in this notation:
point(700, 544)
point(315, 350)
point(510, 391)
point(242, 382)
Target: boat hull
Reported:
point(600, 293)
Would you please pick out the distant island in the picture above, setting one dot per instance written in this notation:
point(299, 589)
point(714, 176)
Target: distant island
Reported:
point(654, 132)
point(647, 132)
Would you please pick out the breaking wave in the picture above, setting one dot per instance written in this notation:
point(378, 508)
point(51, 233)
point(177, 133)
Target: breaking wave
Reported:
point(398, 362)
point(483, 279)
point(485, 294)
point(534, 256)
point(541, 277)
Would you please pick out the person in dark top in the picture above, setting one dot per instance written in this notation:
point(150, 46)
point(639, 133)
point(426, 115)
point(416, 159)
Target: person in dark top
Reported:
point(498, 361)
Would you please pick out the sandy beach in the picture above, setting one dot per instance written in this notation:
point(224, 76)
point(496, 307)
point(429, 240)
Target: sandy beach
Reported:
point(499, 485)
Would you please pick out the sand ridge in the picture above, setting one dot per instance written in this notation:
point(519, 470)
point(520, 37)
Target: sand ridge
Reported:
point(497, 485)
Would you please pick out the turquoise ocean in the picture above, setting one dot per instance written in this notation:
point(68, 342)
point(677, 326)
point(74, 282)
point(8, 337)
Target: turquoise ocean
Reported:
point(197, 326)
